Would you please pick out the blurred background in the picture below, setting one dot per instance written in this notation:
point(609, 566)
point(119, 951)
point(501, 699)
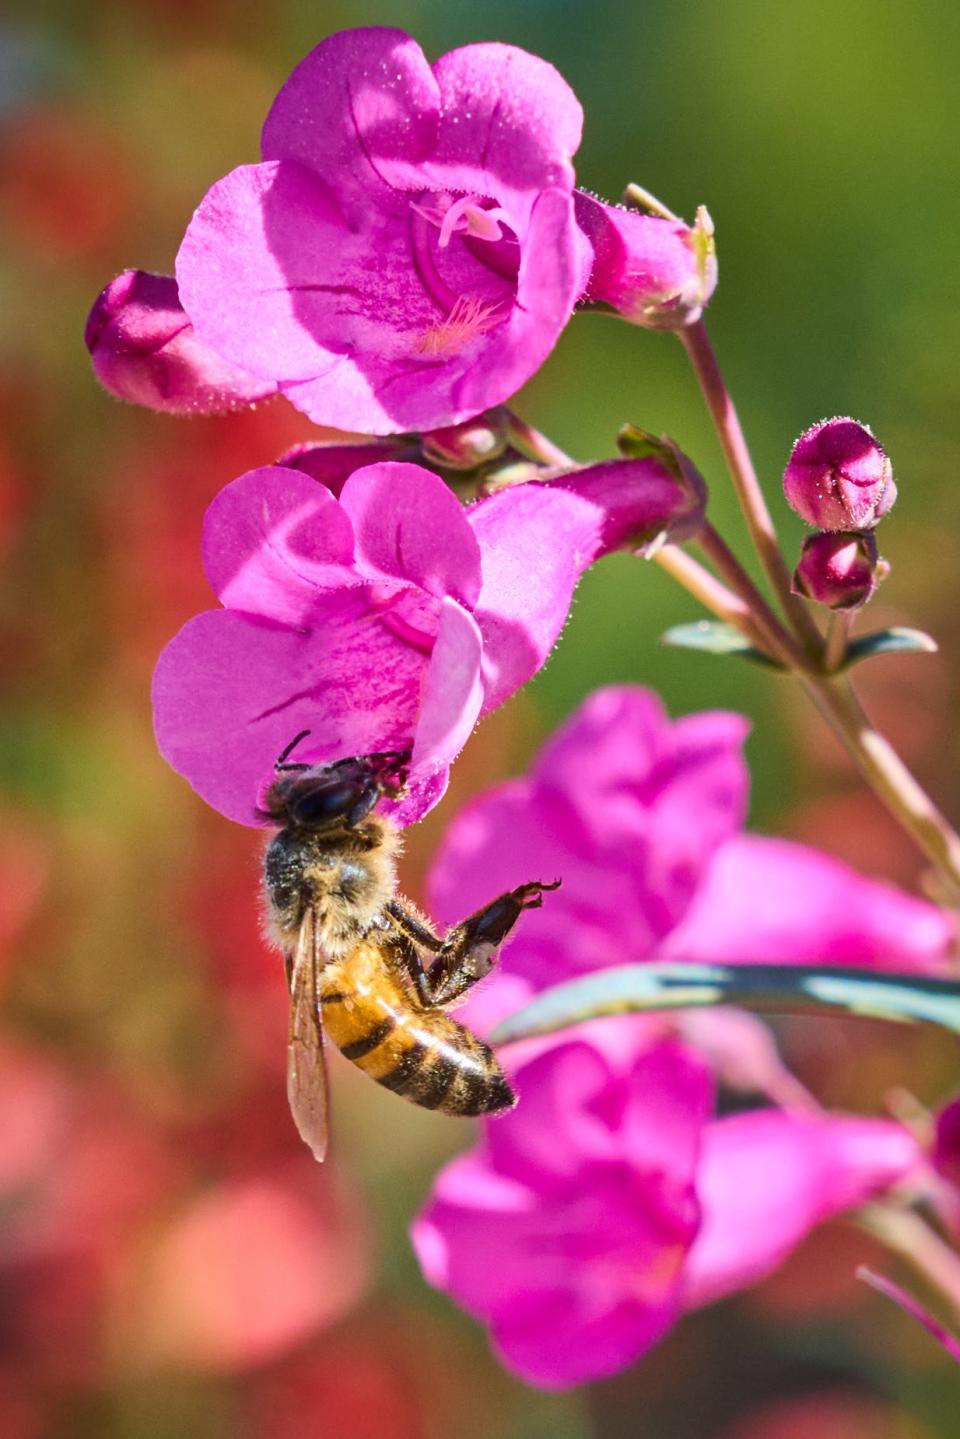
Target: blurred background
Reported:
point(171, 1261)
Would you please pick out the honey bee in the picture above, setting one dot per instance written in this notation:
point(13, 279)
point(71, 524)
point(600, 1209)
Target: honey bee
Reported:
point(356, 953)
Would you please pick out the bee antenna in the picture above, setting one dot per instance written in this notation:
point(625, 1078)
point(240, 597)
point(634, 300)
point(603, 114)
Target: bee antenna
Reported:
point(282, 756)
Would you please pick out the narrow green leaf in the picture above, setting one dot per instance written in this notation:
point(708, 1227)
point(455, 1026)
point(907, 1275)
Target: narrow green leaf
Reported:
point(715, 637)
point(898, 640)
point(640, 988)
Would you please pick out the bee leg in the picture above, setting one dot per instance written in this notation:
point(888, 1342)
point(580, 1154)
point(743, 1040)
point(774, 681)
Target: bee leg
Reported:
point(413, 966)
point(414, 928)
point(470, 949)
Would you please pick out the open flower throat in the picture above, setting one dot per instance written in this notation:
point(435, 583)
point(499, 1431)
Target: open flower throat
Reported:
point(467, 254)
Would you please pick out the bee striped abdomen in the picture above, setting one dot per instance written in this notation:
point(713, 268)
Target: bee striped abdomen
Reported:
point(423, 1055)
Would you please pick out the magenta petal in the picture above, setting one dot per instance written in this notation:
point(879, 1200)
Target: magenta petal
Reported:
point(230, 691)
point(767, 1178)
point(145, 349)
point(553, 267)
point(362, 110)
point(452, 692)
point(272, 539)
point(770, 901)
point(536, 540)
point(510, 124)
point(409, 526)
point(255, 275)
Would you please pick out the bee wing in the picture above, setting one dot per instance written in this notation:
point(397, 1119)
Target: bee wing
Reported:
point(306, 1069)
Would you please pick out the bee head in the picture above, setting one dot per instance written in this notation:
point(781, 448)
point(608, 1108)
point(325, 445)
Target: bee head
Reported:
point(334, 796)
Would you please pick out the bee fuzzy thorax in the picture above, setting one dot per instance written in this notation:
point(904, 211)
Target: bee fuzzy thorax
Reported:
point(346, 878)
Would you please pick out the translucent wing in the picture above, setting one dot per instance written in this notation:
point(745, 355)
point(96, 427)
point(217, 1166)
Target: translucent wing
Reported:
point(306, 1070)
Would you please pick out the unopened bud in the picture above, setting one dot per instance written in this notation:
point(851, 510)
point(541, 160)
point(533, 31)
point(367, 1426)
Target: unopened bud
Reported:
point(838, 477)
point(145, 349)
point(654, 271)
point(839, 569)
point(466, 446)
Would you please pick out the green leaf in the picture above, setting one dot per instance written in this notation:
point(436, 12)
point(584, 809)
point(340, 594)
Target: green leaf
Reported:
point(898, 640)
point(715, 637)
point(641, 988)
point(637, 444)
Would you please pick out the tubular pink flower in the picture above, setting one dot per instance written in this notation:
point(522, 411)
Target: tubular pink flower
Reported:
point(145, 349)
point(653, 271)
point(612, 1201)
point(641, 818)
point(406, 254)
point(388, 619)
point(765, 1179)
point(585, 1194)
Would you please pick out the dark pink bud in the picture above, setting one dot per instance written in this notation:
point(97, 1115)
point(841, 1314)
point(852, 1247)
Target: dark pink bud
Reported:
point(655, 271)
point(145, 349)
point(839, 570)
point(838, 477)
point(946, 1144)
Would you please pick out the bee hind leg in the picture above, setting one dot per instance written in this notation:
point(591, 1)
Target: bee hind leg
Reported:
point(469, 950)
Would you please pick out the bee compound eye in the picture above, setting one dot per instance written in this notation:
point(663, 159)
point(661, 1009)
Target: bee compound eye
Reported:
point(324, 803)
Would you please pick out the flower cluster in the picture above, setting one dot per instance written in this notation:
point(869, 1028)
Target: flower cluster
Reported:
point(405, 255)
point(615, 1199)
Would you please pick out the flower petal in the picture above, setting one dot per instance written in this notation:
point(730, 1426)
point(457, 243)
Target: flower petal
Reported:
point(231, 690)
point(274, 280)
point(362, 110)
point(452, 692)
point(510, 124)
point(765, 1179)
point(537, 539)
point(272, 539)
point(770, 901)
point(409, 526)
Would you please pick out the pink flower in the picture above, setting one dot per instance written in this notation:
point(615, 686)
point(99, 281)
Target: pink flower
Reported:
point(145, 349)
point(641, 818)
point(591, 1216)
point(389, 619)
point(406, 254)
point(654, 271)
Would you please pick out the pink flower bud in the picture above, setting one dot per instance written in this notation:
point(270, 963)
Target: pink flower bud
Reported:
point(654, 271)
point(145, 349)
point(467, 445)
point(838, 477)
point(839, 570)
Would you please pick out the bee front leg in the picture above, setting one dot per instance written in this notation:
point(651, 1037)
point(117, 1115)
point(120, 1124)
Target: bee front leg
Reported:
point(470, 948)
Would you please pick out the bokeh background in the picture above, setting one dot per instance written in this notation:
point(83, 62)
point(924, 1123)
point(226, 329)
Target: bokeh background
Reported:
point(171, 1262)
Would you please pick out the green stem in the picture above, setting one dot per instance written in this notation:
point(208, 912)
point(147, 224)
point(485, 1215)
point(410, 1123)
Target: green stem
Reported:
point(711, 593)
point(838, 637)
point(776, 639)
point(906, 1234)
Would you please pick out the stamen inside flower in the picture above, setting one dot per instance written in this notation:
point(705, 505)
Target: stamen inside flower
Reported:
point(467, 215)
point(468, 318)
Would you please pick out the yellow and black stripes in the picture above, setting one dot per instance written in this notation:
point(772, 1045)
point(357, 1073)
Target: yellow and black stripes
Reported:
point(422, 1054)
